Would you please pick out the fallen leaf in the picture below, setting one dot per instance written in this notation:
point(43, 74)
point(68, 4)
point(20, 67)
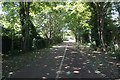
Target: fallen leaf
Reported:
point(10, 73)
point(88, 54)
point(100, 64)
point(44, 77)
point(84, 63)
point(58, 72)
point(67, 67)
point(98, 72)
point(118, 64)
point(76, 72)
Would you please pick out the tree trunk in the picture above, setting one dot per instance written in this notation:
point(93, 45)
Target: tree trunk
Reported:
point(89, 35)
point(98, 26)
point(12, 44)
point(102, 30)
point(100, 22)
point(24, 18)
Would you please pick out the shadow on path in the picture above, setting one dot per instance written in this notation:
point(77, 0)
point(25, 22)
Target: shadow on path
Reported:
point(60, 61)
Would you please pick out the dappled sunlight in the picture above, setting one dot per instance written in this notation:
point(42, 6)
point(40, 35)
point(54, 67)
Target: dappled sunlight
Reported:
point(80, 58)
point(96, 52)
point(66, 67)
point(89, 71)
point(97, 72)
point(58, 72)
point(114, 57)
point(82, 52)
point(58, 46)
point(67, 49)
point(118, 64)
point(67, 58)
point(76, 72)
point(67, 38)
point(54, 52)
point(10, 74)
point(44, 77)
point(83, 66)
point(57, 57)
point(94, 56)
point(89, 54)
point(50, 48)
point(56, 49)
point(84, 63)
point(47, 73)
point(75, 63)
point(52, 69)
point(101, 64)
point(70, 46)
point(64, 44)
point(100, 73)
point(88, 60)
point(76, 68)
point(111, 62)
point(106, 57)
point(68, 72)
point(103, 75)
point(74, 52)
point(71, 63)
point(57, 60)
point(70, 40)
point(45, 65)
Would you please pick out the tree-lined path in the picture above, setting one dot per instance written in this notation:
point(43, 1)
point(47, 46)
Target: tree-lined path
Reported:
point(67, 61)
point(85, 35)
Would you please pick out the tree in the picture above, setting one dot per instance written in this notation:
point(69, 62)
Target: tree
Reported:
point(100, 10)
point(10, 20)
point(27, 25)
point(77, 18)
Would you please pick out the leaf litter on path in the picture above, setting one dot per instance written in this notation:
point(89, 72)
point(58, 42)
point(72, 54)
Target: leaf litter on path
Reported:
point(97, 72)
point(76, 72)
point(68, 72)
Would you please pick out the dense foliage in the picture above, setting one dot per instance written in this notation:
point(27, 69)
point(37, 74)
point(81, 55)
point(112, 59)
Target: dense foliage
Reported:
point(31, 25)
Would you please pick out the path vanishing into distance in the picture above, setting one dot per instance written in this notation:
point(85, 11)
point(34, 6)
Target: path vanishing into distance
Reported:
point(64, 61)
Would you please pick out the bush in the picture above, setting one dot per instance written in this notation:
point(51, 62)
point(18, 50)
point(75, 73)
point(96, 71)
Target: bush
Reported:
point(40, 43)
point(56, 40)
point(114, 53)
point(6, 44)
point(117, 54)
point(17, 43)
